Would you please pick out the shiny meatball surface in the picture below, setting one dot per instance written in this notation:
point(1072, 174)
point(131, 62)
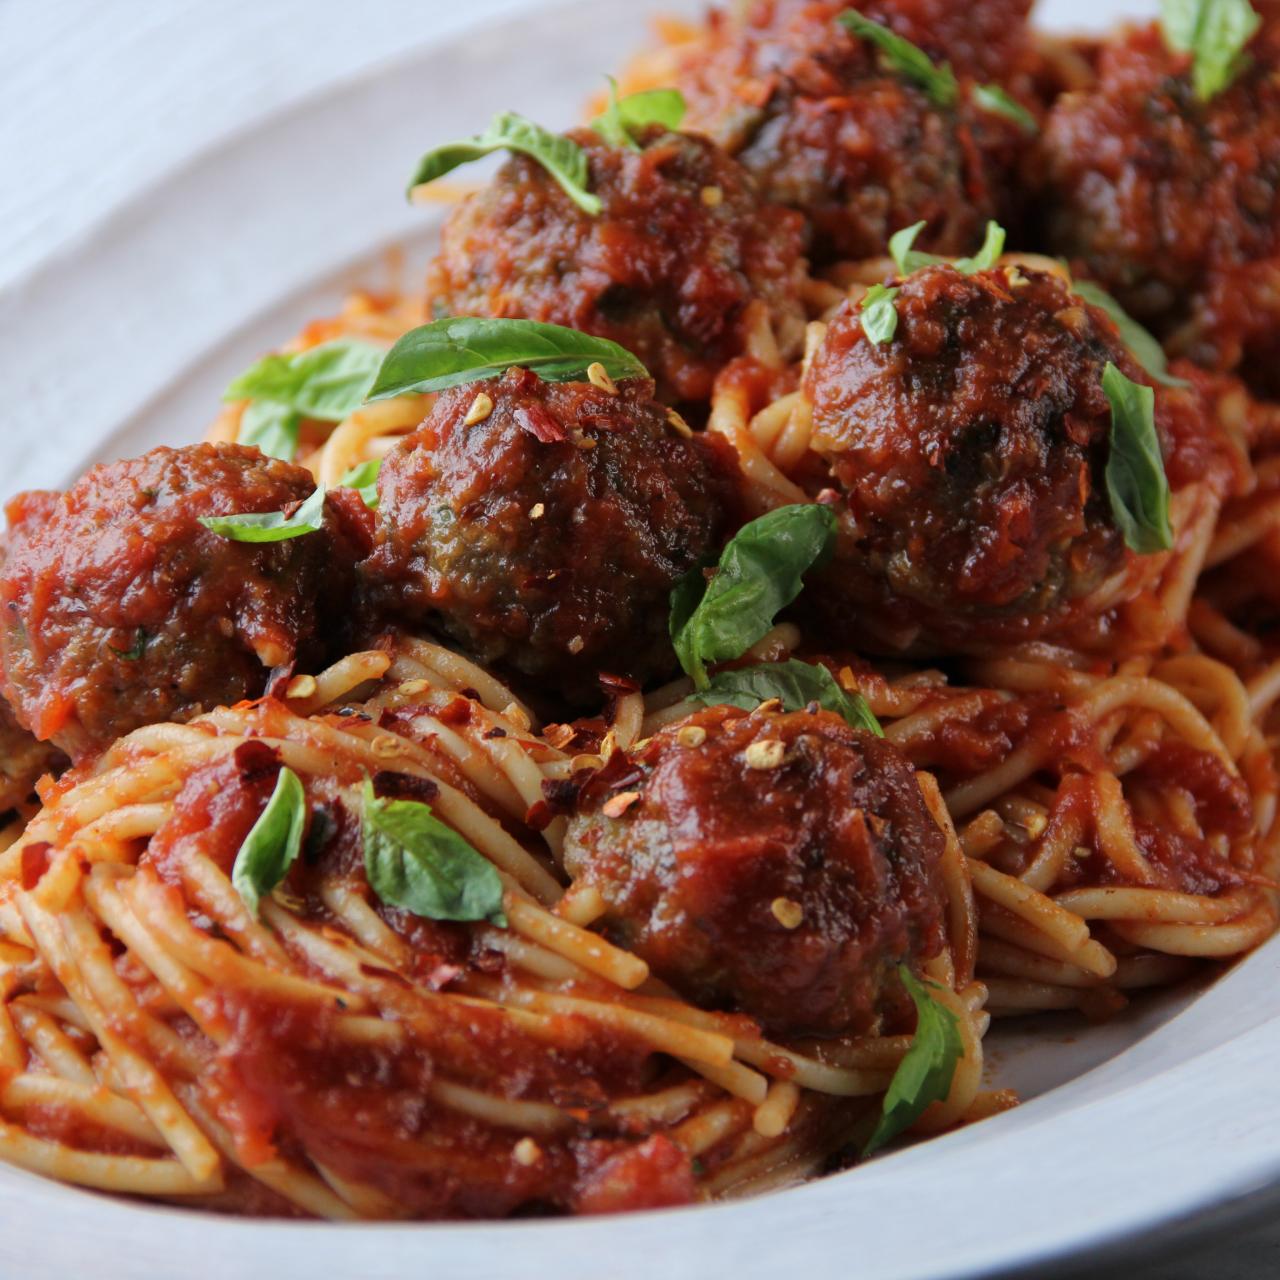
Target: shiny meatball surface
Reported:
point(547, 535)
point(1172, 203)
point(971, 450)
point(860, 150)
point(669, 268)
point(120, 609)
point(779, 864)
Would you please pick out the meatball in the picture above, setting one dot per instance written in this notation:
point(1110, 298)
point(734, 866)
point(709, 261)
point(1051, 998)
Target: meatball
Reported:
point(543, 525)
point(669, 269)
point(1172, 203)
point(971, 450)
point(782, 864)
point(861, 151)
point(120, 609)
point(23, 761)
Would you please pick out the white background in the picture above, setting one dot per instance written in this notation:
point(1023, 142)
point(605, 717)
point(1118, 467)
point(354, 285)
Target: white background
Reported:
point(101, 100)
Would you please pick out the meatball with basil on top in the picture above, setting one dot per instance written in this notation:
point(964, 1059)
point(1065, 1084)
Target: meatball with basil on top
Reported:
point(121, 609)
point(829, 124)
point(1165, 187)
point(778, 864)
point(669, 268)
point(543, 525)
point(971, 449)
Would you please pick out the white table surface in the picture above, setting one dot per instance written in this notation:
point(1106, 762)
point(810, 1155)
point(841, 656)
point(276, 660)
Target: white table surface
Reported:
point(101, 99)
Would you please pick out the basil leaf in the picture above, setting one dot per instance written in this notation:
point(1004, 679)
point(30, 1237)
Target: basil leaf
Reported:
point(759, 573)
point(1146, 350)
point(992, 98)
point(270, 426)
point(364, 479)
point(796, 683)
point(451, 352)
point(878, 315)
point(270, 526)
point(1215, 33)
point(987, 256)
point(1136, 482)
point(328, 382)
point(561, 157)
point(413, 860)
point(925, 1074)
point(909, 260)
point(904, 57)
point(618, 122)
point(273, 843)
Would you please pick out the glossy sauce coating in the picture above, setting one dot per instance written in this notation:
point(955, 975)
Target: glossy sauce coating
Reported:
point(120, 609)
point(285, 1072)
point(861, 151)
point(668, 268)
point(547, 536)
point(971, 450)
point(1172, 203)
point(787, 890)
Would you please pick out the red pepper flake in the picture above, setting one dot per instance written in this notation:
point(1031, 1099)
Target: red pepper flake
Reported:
point(539, 815)
point(539, 423)
point(457, 712)
point(496, 732)
point(35, 862)
point(619, 685)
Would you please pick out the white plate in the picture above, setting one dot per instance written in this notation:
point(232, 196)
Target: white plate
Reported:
point(128, 340)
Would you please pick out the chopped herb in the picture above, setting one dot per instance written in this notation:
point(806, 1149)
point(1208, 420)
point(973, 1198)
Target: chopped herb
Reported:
point(759, 573)
point(925, 1074)
point(1136, 483)
point(561, 157)
point(413, 860)
point(992, 98)
point(270, 526)
point(273, 843)
point(364, 479)
point(878, 315)
point(1215, 33)
point(796, 684)
point(1146, 350)
point(619, 122)
point(909, 260)
point(449, 353)
point(905, 58)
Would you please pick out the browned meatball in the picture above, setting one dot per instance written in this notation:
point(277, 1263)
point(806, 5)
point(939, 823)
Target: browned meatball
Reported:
point(23, 761)
point(862, 151)
point(547, 536)
point(1173, 203)
point(971, 450)
point(668, 269)
point(781, 864)
point(120, 609)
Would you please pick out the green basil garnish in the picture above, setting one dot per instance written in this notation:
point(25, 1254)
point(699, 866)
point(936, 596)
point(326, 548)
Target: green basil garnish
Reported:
point(413, 860)
point(271, 427)
point(273, 843)
point(905, 58)
point(925, 1074)
point(797, 684)
point(364, 480)
point(449, 353)
point(1146, 350)
point(1214, 33)
point(992, 98)
point(270, 526)
point(909, 260)
point(879, 316)
point(619, 122)
point(1136, 483)
point(328, 383)
point(561, 157)
point(759, 573)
